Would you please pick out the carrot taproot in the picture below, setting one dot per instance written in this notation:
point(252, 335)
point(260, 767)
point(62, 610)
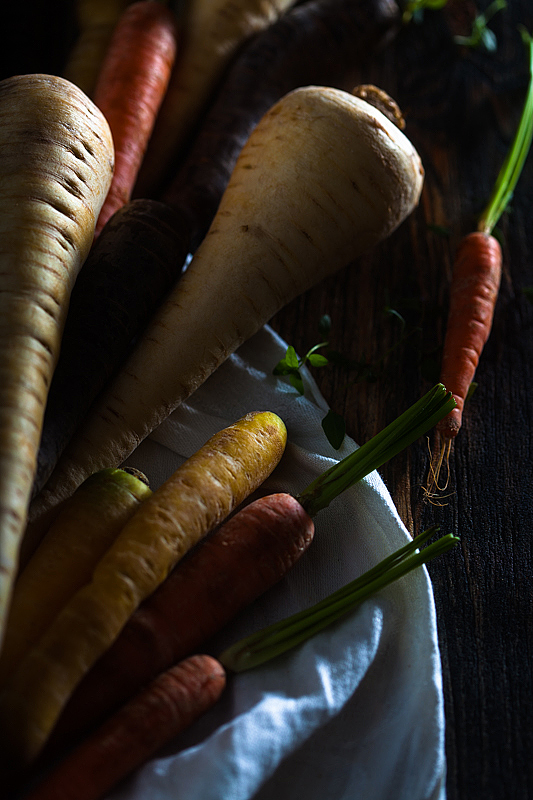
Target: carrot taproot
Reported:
point(190, 503)
point(88, 523)
point(212, 32)
point(474, 290)
point(477, 274)
point(129, 90)
point(323, 177)
point(225, 572)
point(158, 714)
point(95, 20)
point(56, 163)
point(319, 42)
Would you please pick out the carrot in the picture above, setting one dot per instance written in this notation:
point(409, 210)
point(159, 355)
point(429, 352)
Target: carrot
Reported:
point(291, 215)
point(224, 573)
point(162, 711)
point(88, 523)
point(96, 20)
point(477, 274)
point(319, 42)
point(475, 285)
point(56, 163)
point(213, 31)
point(198, 496)
point(130, 88)
point(130, 267)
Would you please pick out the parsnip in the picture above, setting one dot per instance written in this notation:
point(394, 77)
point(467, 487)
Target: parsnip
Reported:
point(56, 165)
point(323, 177)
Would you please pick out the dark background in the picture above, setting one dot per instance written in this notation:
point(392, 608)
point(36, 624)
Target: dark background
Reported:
point(461, 108)
point(388, 316)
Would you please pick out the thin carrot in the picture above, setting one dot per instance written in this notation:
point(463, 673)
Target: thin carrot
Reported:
point(87, 525)
point(477, 274)
point(96, 20)
point(225, 572)
point(290, 216)
point(130, 88)
point(56, 164)
point(162, 711)
point(197, 497)
point(213, 31)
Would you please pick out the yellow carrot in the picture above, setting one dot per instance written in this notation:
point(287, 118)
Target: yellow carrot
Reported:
point(324, 177)
point(89, 522)
point(56, 164)
point(213, 32)
point(198, 496)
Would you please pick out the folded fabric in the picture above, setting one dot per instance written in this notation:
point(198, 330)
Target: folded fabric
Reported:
point(355, 712)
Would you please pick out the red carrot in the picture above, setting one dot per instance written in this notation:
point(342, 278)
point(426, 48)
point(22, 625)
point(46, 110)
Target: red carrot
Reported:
point(169, 705)
point(237, 563)
point(476, 277)
point(131, 85)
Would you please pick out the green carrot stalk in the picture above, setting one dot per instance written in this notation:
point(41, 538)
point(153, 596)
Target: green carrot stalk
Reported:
point(511, 168)
point(398, 435)
point(270, 642)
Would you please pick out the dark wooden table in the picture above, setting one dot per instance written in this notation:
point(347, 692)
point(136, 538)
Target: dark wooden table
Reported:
point(388, 319)
point(461, 108)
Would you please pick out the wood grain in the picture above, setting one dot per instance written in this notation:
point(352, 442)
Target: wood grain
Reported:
point(461, 109)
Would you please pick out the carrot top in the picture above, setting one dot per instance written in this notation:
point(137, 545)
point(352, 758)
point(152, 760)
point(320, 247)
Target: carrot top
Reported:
point(512, 166)
point(399, 434)
point(275, 639)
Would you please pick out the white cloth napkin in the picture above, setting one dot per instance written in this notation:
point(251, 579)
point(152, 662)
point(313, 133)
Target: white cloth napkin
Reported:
point(357, 711)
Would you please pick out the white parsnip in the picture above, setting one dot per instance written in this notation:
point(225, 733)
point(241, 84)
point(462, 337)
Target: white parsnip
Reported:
point(324, 177)
point(56, 165)
point(212, 33)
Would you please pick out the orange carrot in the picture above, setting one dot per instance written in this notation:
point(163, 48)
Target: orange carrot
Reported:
point(477, 274)
point(241, 560)
point(475, 285)
point(130, 88)
point(128, 739)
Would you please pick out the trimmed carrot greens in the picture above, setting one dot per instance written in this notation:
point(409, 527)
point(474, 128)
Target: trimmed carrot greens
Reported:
point(272, 641)
point(398, 435)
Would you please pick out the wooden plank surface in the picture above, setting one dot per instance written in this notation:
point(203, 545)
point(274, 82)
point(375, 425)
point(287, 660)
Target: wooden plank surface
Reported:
point(461, 107)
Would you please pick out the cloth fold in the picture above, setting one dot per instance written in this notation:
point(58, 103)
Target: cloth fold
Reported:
point(355, 712)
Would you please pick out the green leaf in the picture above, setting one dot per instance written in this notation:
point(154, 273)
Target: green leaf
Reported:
point(316, 360)
point(296, 380)
point(291, 358)
point(335, 428)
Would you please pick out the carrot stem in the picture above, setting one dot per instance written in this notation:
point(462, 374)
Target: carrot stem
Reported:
point(398, 435)
point(512, 166)
point(278, 638)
